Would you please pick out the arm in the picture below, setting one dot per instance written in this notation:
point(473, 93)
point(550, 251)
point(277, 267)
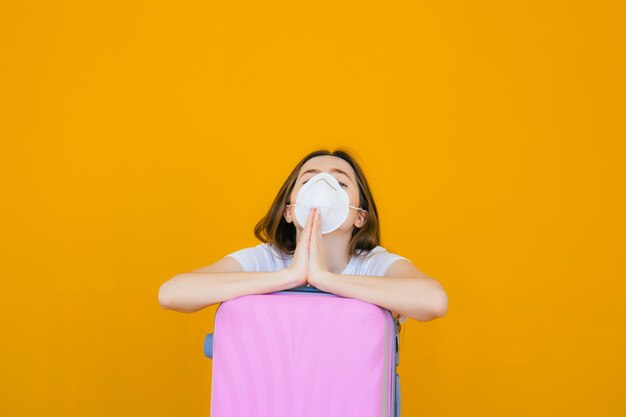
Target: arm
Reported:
point(403, 289)
point(192, 291)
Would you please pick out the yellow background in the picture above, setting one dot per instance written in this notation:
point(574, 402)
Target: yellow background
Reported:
point(145, 139)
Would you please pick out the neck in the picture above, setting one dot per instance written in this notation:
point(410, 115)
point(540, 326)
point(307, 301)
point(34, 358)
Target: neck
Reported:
point(336, 244)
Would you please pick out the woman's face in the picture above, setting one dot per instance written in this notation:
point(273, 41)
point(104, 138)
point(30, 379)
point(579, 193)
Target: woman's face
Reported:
point(344, 174)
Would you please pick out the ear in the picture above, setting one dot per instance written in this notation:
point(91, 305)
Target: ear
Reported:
point(361, 219)
point(287, 214)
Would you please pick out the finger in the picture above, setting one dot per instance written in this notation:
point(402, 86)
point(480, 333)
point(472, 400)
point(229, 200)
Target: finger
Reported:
point(303, 236)
point(318, 222)
point(314, 227)
point(309, 226)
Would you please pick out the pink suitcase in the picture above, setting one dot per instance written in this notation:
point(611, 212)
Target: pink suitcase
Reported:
point(303, 352)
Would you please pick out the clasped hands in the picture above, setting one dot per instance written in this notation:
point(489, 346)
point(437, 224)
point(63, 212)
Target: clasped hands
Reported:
point(309, 264)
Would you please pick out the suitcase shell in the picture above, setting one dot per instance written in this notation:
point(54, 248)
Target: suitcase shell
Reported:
point(303, 352)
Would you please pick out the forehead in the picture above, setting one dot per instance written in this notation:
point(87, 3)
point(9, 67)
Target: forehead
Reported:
point(327, 163)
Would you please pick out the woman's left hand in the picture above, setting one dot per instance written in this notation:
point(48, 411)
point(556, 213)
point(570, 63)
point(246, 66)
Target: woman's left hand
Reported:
point(318, 268)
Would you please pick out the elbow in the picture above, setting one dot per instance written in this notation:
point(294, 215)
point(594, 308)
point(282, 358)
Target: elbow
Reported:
point(436, 307)
point(433, 304)
point(440, 307)
point(171, 298)
point(165, 296)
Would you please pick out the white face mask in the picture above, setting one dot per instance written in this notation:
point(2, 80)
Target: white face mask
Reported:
point(323, 191)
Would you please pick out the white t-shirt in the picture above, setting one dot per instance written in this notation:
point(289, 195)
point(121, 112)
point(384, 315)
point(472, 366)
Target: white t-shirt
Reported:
point(266, 258)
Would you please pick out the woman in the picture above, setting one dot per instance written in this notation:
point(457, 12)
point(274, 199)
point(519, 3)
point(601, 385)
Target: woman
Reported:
point(339, 253)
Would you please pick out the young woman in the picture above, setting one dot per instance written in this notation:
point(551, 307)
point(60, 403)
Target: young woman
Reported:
point(334, 247)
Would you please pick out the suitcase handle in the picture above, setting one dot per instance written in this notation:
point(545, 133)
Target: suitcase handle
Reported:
point(306, 288)
point(208, 346)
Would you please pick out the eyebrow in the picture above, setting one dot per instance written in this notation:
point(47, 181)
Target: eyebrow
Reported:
point(332, 170)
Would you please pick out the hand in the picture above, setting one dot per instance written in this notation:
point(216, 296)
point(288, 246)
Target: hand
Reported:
point(317, 266)
point(300, 263)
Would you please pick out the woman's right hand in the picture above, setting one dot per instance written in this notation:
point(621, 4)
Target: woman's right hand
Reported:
point(299, 267)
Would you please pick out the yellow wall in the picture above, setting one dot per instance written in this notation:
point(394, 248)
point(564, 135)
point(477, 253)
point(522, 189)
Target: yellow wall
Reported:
point(142, 140)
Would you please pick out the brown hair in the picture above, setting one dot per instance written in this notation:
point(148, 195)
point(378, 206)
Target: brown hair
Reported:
point(274, 229)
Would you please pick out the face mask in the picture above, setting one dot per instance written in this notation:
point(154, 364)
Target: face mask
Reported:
point(323, 191)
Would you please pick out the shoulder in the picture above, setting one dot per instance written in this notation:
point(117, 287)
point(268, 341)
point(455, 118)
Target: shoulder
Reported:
point(251, 257)
point(376, 261)
point(261, 257)
point(379, 253)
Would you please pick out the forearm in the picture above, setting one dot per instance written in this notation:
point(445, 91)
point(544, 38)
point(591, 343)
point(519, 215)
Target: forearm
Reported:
point(193, 291)
point(420, 298)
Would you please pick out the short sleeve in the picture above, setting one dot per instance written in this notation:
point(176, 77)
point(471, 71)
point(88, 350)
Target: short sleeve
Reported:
point(248, 258)
point(259, 258)
point(380, 262)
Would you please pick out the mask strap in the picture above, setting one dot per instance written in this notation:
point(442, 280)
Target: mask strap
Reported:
point(351, 206)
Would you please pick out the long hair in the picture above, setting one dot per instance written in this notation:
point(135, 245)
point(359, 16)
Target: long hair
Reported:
point(275, 230)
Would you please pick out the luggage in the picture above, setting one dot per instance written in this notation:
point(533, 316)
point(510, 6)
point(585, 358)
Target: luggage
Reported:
point(303, 352)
